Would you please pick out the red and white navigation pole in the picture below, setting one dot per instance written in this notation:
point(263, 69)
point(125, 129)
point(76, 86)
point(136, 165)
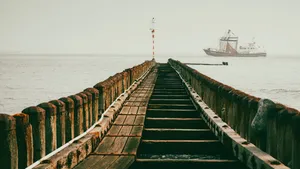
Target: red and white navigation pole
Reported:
point(152, 29)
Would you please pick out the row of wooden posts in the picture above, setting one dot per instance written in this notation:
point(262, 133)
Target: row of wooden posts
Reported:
point(28, 136)
point(281, 136)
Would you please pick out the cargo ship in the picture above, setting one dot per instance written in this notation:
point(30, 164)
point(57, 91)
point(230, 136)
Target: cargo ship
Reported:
point(228, 46)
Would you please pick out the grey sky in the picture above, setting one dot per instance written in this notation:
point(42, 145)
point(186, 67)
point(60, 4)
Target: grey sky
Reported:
point(122, 27)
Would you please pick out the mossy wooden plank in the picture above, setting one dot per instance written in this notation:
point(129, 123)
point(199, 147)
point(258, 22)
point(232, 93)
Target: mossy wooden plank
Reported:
point(118, 145)
point(142, 110)
point(105, 162)
point(123, 162)
point(89, 161)
point(137, 130)
point(132, 145)
point(139, 120)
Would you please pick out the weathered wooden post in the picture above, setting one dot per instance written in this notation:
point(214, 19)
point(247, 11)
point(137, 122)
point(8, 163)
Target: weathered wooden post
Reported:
point(252, 112)
point(60, 122)
point(271, 147)
point(24, 139)
point(102, 96)
point(126, 79)
point(37, 121)
point(69, 124)
point(202, 88)
point(214, 89)
point(50, 124)
point(8, 142)
point(78, 115)
point(129, 71)
point(207, 95)
point(112, 92)
point(285, 130)
point(90, 107)
point(236, 115)
point(244, 123)
point(219, 101)
point(85, 110)
point(259, 122)
point(95, 103)
point(120, 84)
point(133, 74)
point(230, 108)
point(227, 104)
point(114, 85)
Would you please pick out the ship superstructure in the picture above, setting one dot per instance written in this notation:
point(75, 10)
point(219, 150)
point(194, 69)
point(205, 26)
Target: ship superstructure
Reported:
point(228, 46)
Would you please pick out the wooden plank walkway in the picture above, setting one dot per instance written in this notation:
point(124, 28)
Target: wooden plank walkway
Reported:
point(119, 147)
point(173, 138)
point(178, 131)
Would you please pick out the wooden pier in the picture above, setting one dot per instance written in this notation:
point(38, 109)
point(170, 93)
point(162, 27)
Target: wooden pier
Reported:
point(160, 126)
point(118, 148)
point(170, 116)
point(175, 135)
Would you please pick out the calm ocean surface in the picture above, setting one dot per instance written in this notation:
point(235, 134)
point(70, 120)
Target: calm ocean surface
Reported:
point(29, 80)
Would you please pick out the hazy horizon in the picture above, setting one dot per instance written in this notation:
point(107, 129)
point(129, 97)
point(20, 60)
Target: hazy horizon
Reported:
point(122, 27)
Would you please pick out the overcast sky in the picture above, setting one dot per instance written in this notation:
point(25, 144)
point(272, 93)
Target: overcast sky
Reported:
point(122, 27)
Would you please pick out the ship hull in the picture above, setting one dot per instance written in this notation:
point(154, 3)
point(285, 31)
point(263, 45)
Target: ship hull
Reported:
point(224, 54)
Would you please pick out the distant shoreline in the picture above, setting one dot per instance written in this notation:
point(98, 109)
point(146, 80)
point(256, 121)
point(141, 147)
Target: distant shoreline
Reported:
point(118, 54)
point(70, 55)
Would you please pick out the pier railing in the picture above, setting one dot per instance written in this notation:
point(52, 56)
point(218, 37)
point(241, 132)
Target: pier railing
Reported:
point(279, 126)
point(39, 130)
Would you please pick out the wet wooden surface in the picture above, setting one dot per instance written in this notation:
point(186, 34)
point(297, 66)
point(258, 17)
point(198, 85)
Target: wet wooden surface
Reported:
point(119, 147)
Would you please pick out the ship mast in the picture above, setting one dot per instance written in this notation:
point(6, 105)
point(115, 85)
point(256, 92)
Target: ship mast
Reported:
point(152, 29)
point(227, 38)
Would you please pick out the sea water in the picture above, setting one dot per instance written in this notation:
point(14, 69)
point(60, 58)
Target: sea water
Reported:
point(29, 80)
